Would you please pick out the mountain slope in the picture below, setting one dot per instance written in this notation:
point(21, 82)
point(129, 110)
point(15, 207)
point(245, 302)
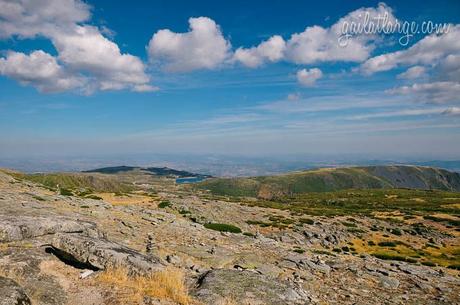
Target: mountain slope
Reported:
point(332, 179)
point(95, 182)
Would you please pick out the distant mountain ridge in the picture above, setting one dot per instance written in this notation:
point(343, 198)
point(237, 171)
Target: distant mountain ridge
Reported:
point(158, 171)
point(332, 179)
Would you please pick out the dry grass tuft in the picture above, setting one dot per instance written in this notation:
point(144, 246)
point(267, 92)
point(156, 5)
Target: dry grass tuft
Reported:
point(227, 301)
point(168, 284)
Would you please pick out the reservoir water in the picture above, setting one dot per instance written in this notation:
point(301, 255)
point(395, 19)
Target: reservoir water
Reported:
point(189, 180)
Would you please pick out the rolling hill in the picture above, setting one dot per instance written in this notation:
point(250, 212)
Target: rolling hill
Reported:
point(97, 183)
point(333, 179)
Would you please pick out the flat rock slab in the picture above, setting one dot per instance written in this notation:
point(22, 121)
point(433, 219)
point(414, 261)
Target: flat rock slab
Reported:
point(246, 287)
point(11, 293)
point(16, 228)
point(101, 253)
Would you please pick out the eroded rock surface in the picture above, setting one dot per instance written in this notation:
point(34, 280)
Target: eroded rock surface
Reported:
point(11, 293)
point(16, 228)
point(101, 253)
point(247, 287)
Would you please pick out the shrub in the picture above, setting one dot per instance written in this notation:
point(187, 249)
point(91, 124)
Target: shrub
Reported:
point(83, 193)
point(396, 232)
point(429, 264)
point(95, 197)
point(337, 250)
point(389, 256)
point(259, 223)
point(65, 192)
point(454, 266)
point(164, 204)
point(298, 250)
point(387, 244)
point(308, 221)
point(356, 230)
point(222, 227)
point(249, 234)
point(319, 251)
point(371, 243)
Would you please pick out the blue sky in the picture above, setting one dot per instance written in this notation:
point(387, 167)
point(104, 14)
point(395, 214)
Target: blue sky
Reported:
point(241, 77)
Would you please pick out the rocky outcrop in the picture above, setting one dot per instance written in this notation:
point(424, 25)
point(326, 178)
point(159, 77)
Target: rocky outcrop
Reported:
point(11, 293)
point(99, 253)
point(76, 242)
point(246, 287)
point(15, 228)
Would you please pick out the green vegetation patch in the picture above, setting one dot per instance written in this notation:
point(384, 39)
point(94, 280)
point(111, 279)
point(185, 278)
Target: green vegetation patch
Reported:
point(394, 257)
point(77, 181)
point(390, 244)
point(95, 197)
point(222, 227)
point(367, 203)
point(65, 192)
point(164, 204)
point(307, 221)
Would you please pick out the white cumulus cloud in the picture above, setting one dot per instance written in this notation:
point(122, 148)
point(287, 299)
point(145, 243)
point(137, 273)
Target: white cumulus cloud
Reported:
point(308, 78)
point(318, 44)
point(28, 18)
point(86, 49)
point(38, 69)
point(203, 47)
point(428, 51)
point(270, 50)
point(82, 49)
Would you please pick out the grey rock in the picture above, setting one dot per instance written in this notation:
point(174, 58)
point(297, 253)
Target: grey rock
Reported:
point(15, 228)
point(247, 287)
point(11, 293)
point(24, 265)
point(101, 253)
point(173, 259)
point(388, 282)
point(317, 266)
